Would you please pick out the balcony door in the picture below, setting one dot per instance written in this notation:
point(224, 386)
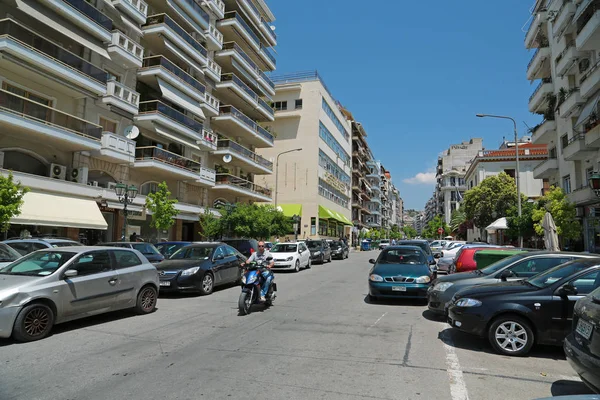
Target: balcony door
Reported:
point(30, 104)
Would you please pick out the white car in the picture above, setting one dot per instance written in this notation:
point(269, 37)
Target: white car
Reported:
point(290, 256)
point(452, 250)
point(383, 243)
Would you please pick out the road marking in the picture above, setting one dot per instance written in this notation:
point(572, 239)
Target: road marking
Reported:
point(458, 387)
point(378, 319)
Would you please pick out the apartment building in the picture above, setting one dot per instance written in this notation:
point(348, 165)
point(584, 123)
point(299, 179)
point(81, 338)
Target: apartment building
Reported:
point(100, 92)
point(375, 204)
point(312, 156)
point(361, 190)
point(564, 37)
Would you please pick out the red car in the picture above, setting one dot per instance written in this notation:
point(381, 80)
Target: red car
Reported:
point(465, 259)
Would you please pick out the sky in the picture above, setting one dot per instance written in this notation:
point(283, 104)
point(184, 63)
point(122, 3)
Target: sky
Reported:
point(414, 73)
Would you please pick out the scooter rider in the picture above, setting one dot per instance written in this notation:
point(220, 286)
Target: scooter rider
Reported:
point(263, 254)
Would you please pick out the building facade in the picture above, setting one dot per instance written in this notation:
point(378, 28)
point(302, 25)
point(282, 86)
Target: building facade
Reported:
point(314, 176)
point(361, 190)
point(564, 37)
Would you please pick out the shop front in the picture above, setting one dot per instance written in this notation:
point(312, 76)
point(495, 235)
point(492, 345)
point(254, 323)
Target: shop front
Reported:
point(333, 224)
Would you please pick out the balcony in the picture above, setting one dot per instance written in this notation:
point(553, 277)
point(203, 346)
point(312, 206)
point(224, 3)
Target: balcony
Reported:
point(570, 106)
point(115, 148)
point(84, 15)
point(535, 33)
point(590, 81)
point(136, 9)
point(159, 67)
point(236, 123)
point(233, 58)
point(539, 65)
point(538, 100)
point(582, 196)
point(167, 36)
point(163, 164)
point(210, 105)
point(21, 117)
point(69, 72)
point(241, 188)
point(193, 9)
point(214, 38)
point(120, 96)
point(125, 50)
point(588, 34)
point(592, 137)
point(241, 95)
point(563, 17)
point(213, 71)
point(545, 132)
point(576, 149)
point(269, 33)
point(243, 157)
point(567, 58)
point(155, 115)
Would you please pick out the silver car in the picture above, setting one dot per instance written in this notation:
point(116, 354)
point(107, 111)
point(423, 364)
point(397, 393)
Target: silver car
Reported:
point(52, 286)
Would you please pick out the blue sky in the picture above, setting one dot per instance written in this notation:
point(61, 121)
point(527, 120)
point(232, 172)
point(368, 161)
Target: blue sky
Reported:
point(415, 73)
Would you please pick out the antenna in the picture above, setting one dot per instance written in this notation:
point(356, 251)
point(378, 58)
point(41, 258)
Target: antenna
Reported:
point(132, 132)
point(227, 158)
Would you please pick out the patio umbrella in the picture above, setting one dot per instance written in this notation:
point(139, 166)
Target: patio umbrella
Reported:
point(550, 235)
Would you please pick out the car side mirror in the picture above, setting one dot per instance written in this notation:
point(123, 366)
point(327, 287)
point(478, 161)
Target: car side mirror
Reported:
point(505, 275)
point(70, 273)
point(567, 290)
point(372, 261)
point(432, 262)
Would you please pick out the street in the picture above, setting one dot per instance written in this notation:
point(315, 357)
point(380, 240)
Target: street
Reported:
point(321, 339)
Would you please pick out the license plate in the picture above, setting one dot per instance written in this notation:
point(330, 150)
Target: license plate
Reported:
point(399, 288)
point(584, 328)
point(165, 283)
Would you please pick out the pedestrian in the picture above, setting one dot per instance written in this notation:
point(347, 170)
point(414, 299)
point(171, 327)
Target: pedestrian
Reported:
point(133, 237)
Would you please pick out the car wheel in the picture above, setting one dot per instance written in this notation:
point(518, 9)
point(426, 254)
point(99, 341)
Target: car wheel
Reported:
point(146, 300)
point(511, 335)
point(34, 322)
point(207, 285)
point(451, 270)
point(297, 266)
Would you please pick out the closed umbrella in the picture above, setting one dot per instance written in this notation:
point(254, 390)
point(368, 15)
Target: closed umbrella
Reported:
point(550, 235)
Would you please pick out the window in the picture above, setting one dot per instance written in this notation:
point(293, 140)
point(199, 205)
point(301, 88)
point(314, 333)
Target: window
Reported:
point(298, 104)
point(330, 166)
point(323, 227)
point(332, 194)
point(333, 144)
point(280, 105)
point(510, 172)
point(218, 252)
point(34, 107)
point(567, 183)
point(112, 75)
point(229, 251)
point(147, 188)
point(313, 226)
point(587, 283)
point(126, 259)
point(108, 125)
point(531, 267)
point(93, 262)
point(38, 246)
point(564, 141)
point(23, 248)
point(335, 120)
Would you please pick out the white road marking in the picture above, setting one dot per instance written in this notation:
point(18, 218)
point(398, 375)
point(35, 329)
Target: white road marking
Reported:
point(458, 387)
point(378, 319)
point(570, 378)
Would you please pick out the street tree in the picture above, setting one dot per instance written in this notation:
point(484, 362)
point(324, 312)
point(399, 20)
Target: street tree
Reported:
point(254, 221)
point(563, 212)
point(431, 230)
point(458, 218)
point(210, 225)
point(410, 232)
point(11, 200)
point(162, 207)
point(521, 225)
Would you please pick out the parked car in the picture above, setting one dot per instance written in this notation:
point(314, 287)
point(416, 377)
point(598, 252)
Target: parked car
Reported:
point(444, 263)
point(319, 251)
point(423, 245)
point(437, 245)
point(400, 271)
point(464, 260)
point(167, 249)
point(244, 246)
point(26, 246)
point(581, 345)
point(7, 255)
point(200, 267)
point(517, 267)
point(290, 256)
point(515, 315)
point(339, 249)
point(147, 249)
point(52, 286)
point(452, 250)
point(383, 243)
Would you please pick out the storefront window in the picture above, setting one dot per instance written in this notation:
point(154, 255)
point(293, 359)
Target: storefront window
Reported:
point(313, 226)
point(323, 227)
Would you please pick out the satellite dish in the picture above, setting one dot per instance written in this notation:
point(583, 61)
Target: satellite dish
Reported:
point(272, 27)
point(227, 158)
point(131, 132)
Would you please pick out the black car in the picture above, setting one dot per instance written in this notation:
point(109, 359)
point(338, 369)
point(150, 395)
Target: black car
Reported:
point(515, 315)
point(339, 249)
point(147, 249)
point(244, 246)
point(582, 346)
point(200, 267)
point(320, 251)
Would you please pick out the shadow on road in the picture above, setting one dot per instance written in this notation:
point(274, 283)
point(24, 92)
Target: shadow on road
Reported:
point(396, 302)
point(565, 387)
point(431, 316)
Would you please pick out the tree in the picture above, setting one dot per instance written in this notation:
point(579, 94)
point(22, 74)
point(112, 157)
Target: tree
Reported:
point(431, 231)
point(254, 221)
point(520, 226)
point(210, 225)
point(11, 200)
point(563, 212)
point(458, 218)
point(410, 232)
point(162, 207)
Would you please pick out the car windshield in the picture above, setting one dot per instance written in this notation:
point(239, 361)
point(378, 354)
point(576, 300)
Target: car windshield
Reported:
point(338, 244)
point(498, 265)
point(65, 244)
point(422, 245)
point(559, 272)
point(7, 254)
point(192, 253)
point(284, 248)
point(402, 256)
point(39, 263)
point(313, 245)
point(168, 249)
point(145, 248)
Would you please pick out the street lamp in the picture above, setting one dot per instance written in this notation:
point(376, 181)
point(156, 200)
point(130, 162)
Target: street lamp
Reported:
point(126, 194)
point(296, 219)
point(517, 178)
point(594, 183)
point(277, 170)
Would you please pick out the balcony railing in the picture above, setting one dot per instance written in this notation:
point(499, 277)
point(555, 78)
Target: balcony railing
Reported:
point(31, 110)
point(167, 157)
point(267, 79)
point(266, 106)
point(163, 62)
point(532, 58)
point(247, 121)
point(210, 136)
point(91, 12)
point(165, 19)
point(208, 173)
point(253, 7)
point(196, 7)
point(38, 43)
point(117, 89)
point(235, 47)
point(158, 107)
point(238, 82)
point(127, 44)
point(537, 89)
point(212, 30)
point(214, 67)
point(569, 44)
point(241, 21)
point(268, 53)
point(227, 179)
point(589, 72)
point(139, 5)
point(575, 138)
point(212, 101)
point(268, 27)
point(239, 149)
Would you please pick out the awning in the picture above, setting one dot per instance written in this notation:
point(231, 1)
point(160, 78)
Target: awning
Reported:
point(179, 98)
point(499, 224)
point(589, 107)
point(59, 211)
point(326, 213)
point(289, 210)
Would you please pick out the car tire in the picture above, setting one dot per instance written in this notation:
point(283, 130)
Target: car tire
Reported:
point(146, 300)
point(34, 322)
point(297, 266)
point(207, 285)
point(451, 270)
point(372, 299)
point(511, 335)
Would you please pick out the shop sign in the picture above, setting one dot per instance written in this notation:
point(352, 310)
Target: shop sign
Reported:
point(136, 215)
point(335, 182)
point(106, 208)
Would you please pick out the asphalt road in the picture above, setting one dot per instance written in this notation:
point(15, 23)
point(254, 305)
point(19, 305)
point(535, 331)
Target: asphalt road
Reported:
point(321, 340)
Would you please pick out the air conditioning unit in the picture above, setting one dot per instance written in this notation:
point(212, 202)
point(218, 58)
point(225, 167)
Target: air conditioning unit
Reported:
point(58, 171)
point(111, 185)
point(79, 175)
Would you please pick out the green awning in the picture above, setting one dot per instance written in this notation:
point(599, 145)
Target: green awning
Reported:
point(289, 210)
point(326, 213)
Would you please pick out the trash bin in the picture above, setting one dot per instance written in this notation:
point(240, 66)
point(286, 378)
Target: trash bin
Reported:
point(483, 258)
point(365, 245)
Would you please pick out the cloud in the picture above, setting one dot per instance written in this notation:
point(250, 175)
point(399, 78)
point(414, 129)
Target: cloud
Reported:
point(422, 178)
